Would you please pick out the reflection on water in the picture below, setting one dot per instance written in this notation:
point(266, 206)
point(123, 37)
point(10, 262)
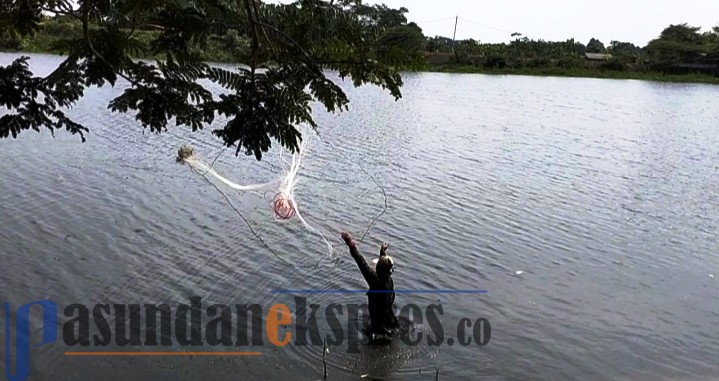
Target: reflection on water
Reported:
point(602, 192)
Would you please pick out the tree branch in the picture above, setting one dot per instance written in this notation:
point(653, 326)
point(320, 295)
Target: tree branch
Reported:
point(86, 33)
point(287, 36)
point(134, 25)
point(255, 39)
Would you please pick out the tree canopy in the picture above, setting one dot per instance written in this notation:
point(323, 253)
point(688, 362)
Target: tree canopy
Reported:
point(683, 43)
point(595, 46)
point(283, 50)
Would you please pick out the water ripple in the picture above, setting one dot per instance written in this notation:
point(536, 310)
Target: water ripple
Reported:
point(602, 193)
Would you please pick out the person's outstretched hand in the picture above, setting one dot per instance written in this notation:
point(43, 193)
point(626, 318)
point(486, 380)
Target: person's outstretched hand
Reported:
point(348, 239)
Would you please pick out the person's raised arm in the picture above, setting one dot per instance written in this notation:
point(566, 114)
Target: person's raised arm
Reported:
point(361, 262)
point(383, 250)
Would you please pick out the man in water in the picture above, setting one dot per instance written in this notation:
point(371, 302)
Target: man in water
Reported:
point(381, 288)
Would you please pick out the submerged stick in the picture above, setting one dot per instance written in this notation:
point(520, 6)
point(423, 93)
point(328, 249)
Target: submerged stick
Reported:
point(324, 351)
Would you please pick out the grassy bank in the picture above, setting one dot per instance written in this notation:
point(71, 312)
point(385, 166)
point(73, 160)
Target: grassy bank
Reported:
point(579, 73)
point(214, 52)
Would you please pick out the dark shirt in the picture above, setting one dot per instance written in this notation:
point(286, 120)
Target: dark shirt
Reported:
point(382, 317)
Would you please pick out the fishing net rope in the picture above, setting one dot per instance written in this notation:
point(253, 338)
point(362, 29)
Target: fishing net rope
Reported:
point(284, 204)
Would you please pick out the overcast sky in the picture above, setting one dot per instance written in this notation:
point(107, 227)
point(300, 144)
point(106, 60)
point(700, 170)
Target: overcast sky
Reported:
point(636, 21)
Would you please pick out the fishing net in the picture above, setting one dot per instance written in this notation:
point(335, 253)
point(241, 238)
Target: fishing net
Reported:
point(284, 206)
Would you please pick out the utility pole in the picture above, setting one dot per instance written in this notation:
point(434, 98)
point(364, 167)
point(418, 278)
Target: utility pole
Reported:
point(454, 36)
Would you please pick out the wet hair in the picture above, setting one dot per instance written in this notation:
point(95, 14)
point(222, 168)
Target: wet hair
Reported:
point(384, 266)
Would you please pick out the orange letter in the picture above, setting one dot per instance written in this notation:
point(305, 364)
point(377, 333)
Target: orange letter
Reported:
point(279, 314)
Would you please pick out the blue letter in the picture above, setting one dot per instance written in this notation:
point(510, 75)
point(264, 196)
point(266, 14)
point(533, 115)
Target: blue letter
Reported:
point(22, 336)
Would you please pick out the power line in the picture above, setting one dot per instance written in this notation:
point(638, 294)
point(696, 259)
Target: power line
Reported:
point(468, 21)
point(485, 26)
point(455, 18)
point(435, 20)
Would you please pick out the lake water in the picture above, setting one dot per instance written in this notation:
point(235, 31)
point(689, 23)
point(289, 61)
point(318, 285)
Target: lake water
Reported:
point(603, 193)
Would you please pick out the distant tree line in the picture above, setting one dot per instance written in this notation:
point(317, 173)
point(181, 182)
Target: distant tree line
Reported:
point(678, 49)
